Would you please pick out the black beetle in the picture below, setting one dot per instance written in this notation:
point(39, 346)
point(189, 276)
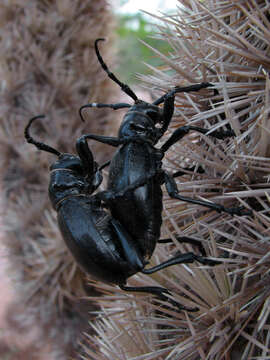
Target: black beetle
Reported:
point(143, 126)
point(100, 244)
point(96, 240)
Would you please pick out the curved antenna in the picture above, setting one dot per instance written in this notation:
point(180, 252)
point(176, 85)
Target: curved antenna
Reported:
point(123, 86)
point(39, 145)
point(98, 105)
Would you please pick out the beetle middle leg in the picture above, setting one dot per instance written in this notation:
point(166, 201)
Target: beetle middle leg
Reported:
point(172, 190)
point(171, 186)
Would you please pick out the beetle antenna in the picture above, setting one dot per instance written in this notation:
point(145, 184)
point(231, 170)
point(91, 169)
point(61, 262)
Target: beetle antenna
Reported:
point(97, 105)
point(123, 86)
point(39, 145)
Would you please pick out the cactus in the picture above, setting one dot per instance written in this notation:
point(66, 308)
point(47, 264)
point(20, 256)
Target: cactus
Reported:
point(227, 44)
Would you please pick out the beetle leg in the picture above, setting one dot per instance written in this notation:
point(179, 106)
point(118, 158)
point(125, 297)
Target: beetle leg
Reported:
point(168, 110)
point(179, 133)
point(108, 195)
point(187, 240)
point(173, 193)
point(136, 262)
point(131, 253)
point(168, 100)
point(183, 171)
point(109, 140)
point(180, 259)
point(186, 258)
point(179, 89)
point(158, 292)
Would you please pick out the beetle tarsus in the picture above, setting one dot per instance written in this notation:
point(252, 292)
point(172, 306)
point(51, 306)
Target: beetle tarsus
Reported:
point(159, 292)
point(239, 211)
point(187, 240)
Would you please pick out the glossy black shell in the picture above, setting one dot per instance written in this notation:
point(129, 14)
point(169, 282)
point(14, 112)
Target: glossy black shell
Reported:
point(91, 239)
point(139, 211)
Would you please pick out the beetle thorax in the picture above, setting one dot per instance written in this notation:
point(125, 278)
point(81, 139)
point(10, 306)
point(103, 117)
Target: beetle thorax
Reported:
point(67, 179)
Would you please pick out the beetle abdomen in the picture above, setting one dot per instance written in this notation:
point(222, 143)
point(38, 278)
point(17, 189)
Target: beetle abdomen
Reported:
point(139, 210)
point(89, 236)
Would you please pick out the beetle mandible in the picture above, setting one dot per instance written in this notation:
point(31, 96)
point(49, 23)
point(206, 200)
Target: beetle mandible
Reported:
point(144, 124)
point(99, 243)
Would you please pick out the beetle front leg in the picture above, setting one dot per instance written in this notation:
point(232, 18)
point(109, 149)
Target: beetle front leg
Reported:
point(109, 140)
point(179, 133)
point(172, 190)
point(168, 99)
point(179, 89)
point(168, 110)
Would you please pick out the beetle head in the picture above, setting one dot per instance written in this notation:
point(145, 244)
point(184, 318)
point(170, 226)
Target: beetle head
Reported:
point(148, 110)
point(70, 174)
point(141, 120)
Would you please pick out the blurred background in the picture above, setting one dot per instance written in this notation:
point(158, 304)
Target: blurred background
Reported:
point(134, 24)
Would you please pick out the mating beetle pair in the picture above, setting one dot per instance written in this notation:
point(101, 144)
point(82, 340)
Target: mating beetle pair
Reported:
point(112, 234)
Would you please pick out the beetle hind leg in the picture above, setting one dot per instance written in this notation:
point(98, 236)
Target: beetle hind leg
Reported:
point(187, 240)
point(160, 293)
point(186, 258)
